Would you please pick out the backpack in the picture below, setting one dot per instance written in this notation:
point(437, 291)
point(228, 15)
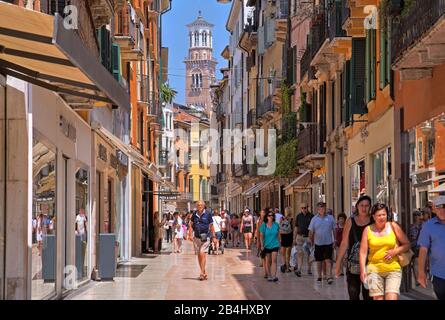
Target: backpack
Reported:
point(285, 226)
point(354, 251)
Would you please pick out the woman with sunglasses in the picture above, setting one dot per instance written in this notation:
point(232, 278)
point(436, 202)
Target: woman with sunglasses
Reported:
point(270, 243)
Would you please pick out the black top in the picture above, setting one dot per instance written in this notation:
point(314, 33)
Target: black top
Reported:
point(303, 222)
point(356, 232)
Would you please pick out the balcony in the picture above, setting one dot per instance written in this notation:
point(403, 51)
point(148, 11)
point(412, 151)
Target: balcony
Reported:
point(417, 43)
point(307, 142)
point(142, 89)
point(128, 34)
point(338, 13)
point(266, 108)
point(102, 11)
point(281, 16)
point(163, 158)
point(251, 118)
point(220, 177)
point(154, 111)
point(239, 170)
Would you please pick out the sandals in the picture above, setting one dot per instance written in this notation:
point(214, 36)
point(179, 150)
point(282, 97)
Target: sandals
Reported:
point(202, 277)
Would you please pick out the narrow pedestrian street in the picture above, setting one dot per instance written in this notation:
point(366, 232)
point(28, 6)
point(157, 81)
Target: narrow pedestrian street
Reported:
point(234, 275)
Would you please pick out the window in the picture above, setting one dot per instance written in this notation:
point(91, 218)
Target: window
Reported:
point(430, 149)
point(358, 183)
point(382, 170)
point(196, 39)
point(420, 150)
point(204, 38)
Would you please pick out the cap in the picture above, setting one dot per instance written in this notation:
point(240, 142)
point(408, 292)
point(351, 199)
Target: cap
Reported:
point(321, 204)
point(439, 201)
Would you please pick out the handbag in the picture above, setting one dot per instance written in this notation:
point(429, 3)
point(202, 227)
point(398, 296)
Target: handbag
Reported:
point(405, 257)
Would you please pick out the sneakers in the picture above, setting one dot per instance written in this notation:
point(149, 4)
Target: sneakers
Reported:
point(330, 280)
point(318, 279)
point(298, 273)
point(270, 279)
point(275, 279)
point(283, 268)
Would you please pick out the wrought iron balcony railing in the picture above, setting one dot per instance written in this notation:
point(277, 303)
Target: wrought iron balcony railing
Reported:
point(307, 142)
point(421, 17)
point(336, 12)
point(265, 107)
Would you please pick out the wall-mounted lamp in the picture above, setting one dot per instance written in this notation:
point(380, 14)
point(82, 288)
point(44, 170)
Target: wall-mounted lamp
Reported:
point(427, 128)
point(441, 119)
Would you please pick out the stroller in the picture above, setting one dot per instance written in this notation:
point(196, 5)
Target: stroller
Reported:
point(212, 247)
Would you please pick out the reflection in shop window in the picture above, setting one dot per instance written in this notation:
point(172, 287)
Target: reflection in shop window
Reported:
point(44, 221)
point(81, 224)
point(381, 176)
point(358, 186)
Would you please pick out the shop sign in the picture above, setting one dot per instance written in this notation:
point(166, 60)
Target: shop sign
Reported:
point(113, 161)
point(103, 153)
point(68, 129)
point(168, 197)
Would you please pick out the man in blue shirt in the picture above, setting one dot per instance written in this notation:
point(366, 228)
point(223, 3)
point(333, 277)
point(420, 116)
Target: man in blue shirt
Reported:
point(201, 225)
point(321, 233)
point(432, 241)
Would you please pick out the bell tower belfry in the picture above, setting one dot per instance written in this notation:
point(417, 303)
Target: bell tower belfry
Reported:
point(200, 64)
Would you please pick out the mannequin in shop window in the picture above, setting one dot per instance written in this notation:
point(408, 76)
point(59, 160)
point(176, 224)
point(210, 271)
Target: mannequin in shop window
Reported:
point(81, 224)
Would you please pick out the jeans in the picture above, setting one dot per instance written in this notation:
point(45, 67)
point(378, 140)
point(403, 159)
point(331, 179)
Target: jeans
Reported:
point(354, 286)
point(169, 235)
point(439, 287)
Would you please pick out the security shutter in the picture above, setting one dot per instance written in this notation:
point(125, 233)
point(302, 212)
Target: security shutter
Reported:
point(358, 76)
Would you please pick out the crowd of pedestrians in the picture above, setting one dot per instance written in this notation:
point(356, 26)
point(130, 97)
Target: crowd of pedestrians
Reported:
point(368, 246)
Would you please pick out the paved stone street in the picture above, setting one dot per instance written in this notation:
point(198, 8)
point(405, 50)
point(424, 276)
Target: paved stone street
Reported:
point(232, 276)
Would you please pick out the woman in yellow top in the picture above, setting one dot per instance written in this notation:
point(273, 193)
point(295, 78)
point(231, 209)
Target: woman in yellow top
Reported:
point(380, 268)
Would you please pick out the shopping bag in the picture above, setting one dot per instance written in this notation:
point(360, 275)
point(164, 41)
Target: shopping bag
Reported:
point(312, 255)
point(293, 257)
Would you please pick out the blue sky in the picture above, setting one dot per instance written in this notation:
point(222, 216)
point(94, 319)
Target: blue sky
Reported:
point(175, 36)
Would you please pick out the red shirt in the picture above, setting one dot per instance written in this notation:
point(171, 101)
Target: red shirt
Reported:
point(338, 235)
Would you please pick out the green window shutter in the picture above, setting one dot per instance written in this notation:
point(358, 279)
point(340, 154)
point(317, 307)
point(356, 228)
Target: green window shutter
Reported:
point(346, 93)
point(373, 33)
point(383, 57)
point(116, 61)
point(368, 66)
point(388, 53)
point(358, 75)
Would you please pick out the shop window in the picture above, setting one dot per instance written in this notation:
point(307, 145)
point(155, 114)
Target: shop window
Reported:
point(82, 223)
point(358, 182)
point(381, 176)
point(44, 212)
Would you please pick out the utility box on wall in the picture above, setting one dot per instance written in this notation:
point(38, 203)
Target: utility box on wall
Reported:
point(107, 256)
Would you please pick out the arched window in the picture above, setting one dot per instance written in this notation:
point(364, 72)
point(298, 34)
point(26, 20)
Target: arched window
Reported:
point(200, 80)
point(204, 55)
point(196, 39)
point(204, 38)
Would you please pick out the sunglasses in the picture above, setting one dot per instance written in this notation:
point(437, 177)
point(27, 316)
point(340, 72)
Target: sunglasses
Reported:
point(270, 215)
point(303, 207)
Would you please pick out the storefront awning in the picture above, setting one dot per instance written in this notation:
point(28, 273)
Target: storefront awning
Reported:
point(440, 188)
point(251, 191)
point(37, 48)
point(299, 180)
point(135, 157)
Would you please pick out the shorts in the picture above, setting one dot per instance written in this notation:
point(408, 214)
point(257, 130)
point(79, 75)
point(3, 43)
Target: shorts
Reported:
point(266, 250)
point(247, 230)
point(303, 244)
point(224, 235)
point(218, 235)
point(323, 252)
point(199, 246)
point(39, 236)
point(287, 239)
point(385, 282)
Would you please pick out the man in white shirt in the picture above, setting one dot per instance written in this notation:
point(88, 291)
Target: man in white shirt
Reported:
point(278, 216)
point(81, 224)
